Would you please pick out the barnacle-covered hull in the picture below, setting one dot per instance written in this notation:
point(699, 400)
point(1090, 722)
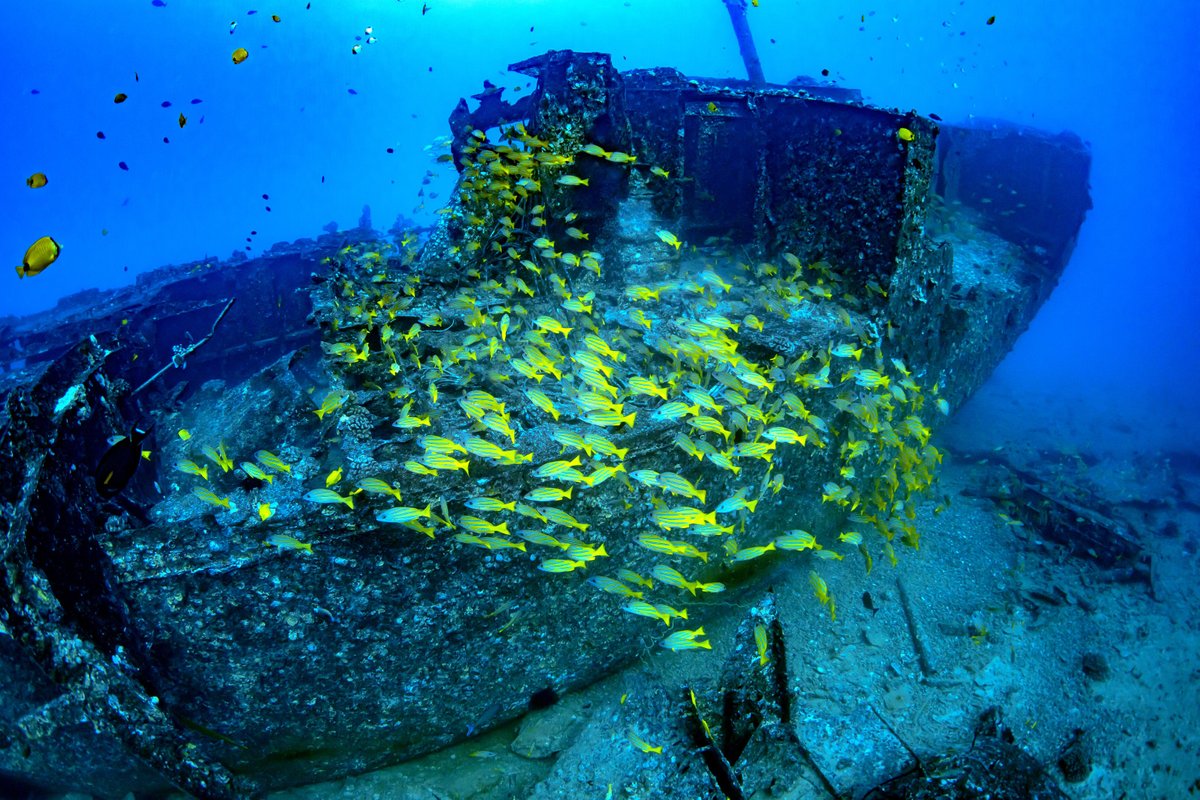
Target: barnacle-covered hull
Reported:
point(162, 636)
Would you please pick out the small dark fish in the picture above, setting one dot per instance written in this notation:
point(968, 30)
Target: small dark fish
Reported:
point(825, 73)
point(196, 101)
point(165, 104)
point(934, 116)
point(166, 140)
point(424, 9)
point(322, 179)
point(35, 91)
point(266, 197)
point(869, 603)
point(991, 20)
point(251, 12)
point(254, 233)
point(117, 466)
point(390, 150)
point(120, 97)
point(158, 3)
point(268, 208)
point(485, 718)
point(352, 91)
point(136, 78)
point(182, 120)
point(100, 134)
point(123, 165)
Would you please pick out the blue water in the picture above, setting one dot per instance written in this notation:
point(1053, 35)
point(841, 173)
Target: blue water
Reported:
point(1122, 326)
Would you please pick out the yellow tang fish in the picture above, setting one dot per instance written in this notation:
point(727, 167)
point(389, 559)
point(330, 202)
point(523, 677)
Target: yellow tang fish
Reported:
point(36, 181)
point(240, 55)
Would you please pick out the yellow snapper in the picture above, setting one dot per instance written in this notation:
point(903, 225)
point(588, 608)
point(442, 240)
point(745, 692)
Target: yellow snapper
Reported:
point(256, 472)
point(328, 496)
point(191, 468)
point(285, 542)
point(272, 461)
point(210, 498)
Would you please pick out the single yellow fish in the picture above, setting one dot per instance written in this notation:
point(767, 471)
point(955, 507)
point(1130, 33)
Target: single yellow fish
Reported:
point(256, 472)
point(285, 542)
point(192, 468)
point(669, 238)
point(272, 461)
point(561, 565)
point(333, 478)
point(327, 496)
point(212, 499)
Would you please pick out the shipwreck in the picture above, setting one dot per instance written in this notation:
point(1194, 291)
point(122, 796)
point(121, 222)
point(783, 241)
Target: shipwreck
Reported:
point(152, 640)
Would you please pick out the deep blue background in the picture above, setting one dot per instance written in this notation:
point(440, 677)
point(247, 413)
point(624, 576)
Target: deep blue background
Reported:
point(1121, 329)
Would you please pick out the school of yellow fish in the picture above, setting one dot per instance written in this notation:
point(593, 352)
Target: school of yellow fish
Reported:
point(591, 364)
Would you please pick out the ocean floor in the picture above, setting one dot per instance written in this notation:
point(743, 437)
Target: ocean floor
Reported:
point(1095, 669)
